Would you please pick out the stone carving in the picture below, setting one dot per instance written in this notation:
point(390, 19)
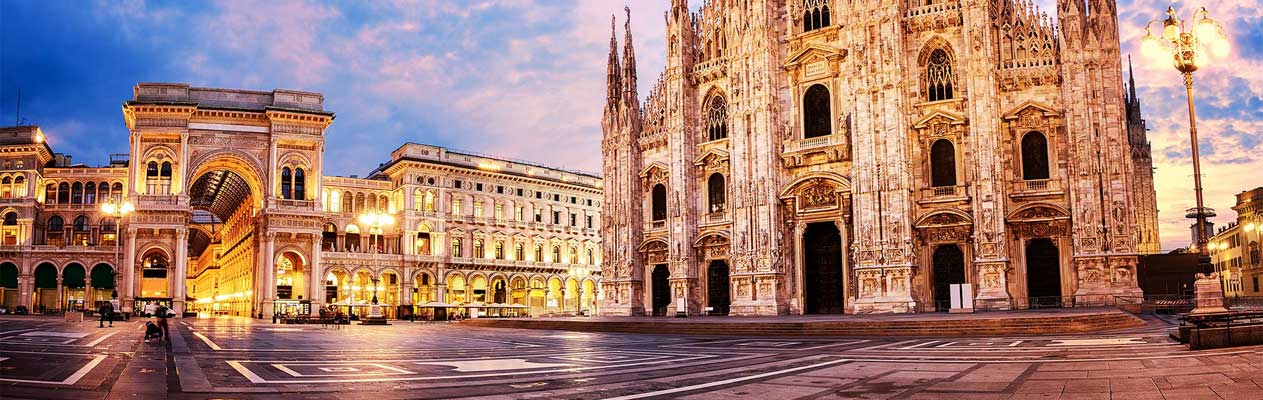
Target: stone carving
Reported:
point(819, 194)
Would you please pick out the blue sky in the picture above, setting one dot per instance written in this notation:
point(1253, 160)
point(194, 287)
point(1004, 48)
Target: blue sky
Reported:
point(518, 78)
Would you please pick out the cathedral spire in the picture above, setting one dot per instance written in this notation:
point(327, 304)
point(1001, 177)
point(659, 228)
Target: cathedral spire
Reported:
point(613, 82)
point(629, 59)
point(1131, 82)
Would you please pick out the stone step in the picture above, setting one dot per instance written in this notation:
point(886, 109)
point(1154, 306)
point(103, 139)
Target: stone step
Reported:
point(963, 326)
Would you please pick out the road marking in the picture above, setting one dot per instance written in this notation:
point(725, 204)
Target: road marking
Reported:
point(101, 339)
point(920, 345)
point(1014, 344)
point(1097, 342)
point(207, 340)
point(70, 380)
point(726, 381)
point(495, 365)
point(945, 344)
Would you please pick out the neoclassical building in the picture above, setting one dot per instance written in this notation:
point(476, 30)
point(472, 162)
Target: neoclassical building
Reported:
point(233, 215)
point(829, 156)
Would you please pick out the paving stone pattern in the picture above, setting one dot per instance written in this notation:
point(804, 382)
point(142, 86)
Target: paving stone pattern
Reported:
point(240, 358)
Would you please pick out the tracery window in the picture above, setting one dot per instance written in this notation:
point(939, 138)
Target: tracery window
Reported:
point(939, 77)
point(1034, 156)
point(715, 193)
point(659, 195)
point(815, 14)
point(942, 163)
point(817, 119)
point(717, 119)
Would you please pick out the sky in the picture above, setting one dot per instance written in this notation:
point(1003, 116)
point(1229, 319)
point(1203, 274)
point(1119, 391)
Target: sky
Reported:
point(515, 78)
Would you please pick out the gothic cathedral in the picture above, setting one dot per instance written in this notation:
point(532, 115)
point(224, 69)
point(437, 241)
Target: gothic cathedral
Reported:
point(861, 156)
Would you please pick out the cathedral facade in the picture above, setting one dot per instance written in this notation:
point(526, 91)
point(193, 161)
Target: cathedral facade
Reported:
point(858, 156)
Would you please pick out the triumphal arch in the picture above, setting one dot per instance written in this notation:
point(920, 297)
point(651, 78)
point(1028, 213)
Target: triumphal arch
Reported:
point(234, 172)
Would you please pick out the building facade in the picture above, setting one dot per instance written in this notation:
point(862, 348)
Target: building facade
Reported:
point(233, 215)
point(828, 156)
point(1234, 249)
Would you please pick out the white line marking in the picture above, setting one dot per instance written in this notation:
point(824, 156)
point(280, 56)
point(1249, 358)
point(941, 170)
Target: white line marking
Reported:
point(101, 339)
point(945, 344)
point(207, 340)
point(1014, 344)
point(726, 381)
point(919, 345)
point(70, 380)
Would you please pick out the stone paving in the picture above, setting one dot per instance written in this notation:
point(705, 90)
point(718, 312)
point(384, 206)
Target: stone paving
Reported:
point(240, 358)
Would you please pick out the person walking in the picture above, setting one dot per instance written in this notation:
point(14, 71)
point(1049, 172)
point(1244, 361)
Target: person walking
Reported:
point(107, 313)
point(161, 312)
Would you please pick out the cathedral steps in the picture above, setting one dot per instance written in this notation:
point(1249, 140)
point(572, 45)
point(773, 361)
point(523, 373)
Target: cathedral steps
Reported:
point(986, 324)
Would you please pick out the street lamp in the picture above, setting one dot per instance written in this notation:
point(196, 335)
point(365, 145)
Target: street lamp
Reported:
point(119, 210)
point(375, 221)
point(1187, 50)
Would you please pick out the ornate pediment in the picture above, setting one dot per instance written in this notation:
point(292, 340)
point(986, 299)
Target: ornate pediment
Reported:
point(1030, 109)
point(1038, 213)
point(940, 118)
point(813, 52)
point(712, 159)
point(818, 194)
point(655, 172)
point(943, 218)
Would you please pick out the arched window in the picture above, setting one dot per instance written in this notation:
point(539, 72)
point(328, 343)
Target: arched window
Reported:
point(1034, 156)
point(716, 192)
point(817, 119)
point(539, 253)
point(418, 200)
point(360, 205)
point(519, 252)
point(591, 258)
point(300, 184)
point(478, 252)
point(499, 250)
point(19, 186)
point(56, 231)
point(63, 193)
point(556, 254)
point(76, 193)
point(939, 76)
point(103, 191)
point(80, 229)
point(942, 163)
point(659, 195)
point(574, 255)
point(347, 199)
point(816, 14)
point(116, 190)
point(429, 200)
point(6, 185)
point(166, 171)
point(10, 218)
point(151, 170)
point(456, 248)
point(286, 180)
point(717, 119)
point(50, 194)
point(89, 193)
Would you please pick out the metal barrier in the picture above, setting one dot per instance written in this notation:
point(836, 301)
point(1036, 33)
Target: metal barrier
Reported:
point(1244, 303)
point(1215, 330)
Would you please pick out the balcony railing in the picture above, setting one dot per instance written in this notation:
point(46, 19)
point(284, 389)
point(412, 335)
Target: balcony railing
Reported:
point(811, 143)
point(944, 192)
point(1037, 186)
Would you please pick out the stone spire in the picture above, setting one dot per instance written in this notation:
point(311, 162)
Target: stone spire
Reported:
point(629, 66)
point(613, 82)
point(1131, 83)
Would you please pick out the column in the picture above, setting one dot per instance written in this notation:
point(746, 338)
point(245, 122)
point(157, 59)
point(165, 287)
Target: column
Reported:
point(127, 271)
point(26, 291)
point(268, 289)
point(181, 271)
point(316, 289)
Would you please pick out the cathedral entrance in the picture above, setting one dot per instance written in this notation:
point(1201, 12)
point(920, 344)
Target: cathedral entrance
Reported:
point(661, 290)
point(949, 268)
point(822, 269)
point(717, 287)
point(1043, 274)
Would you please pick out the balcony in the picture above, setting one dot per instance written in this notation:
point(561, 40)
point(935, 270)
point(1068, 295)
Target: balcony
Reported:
point(296, 205)
point(833, 147)
point(944, 194)
point(1036, 187)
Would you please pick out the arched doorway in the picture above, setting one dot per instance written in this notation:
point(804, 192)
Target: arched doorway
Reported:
point(74, 284)
point(291, 277)
point(949, 268)
point(717, 292)
point(228, 187)
point(499, 291)
point(822, 265)
point(1043, 273)
point(388, 295)
point(572, 295)
point(46, 298)
point(587, 298)
point(554, 295)
point(517, 292)
point(9, 285)
point(337, 286)
point(423, 289)
point(538, 299)
point(661, 289)
point(478, 287)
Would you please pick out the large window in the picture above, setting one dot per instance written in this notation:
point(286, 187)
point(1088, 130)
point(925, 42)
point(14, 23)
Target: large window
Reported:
point(817, 120)
point(1034, 156)
point(715, 193)
point(659, 199)
point(456, 248)
point(286, 183)
point(300, 184)
point(56, 230)
point(717, 119)
point(815, 14)
point(942, 163)
point(939, 76)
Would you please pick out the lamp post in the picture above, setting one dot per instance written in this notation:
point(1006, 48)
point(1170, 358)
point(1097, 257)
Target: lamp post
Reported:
point(118, 209)
point(375, 222)
point(1187, 50)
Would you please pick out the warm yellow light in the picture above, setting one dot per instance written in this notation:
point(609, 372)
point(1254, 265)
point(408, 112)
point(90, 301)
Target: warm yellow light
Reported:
point(1250, 227)
point(1151, 49)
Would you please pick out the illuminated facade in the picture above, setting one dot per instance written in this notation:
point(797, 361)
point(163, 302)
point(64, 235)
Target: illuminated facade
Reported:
point(233, 216)
point(1235, 249)
point(829, 156)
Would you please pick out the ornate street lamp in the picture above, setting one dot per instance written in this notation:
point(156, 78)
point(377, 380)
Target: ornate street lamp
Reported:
point(375, 222)
point(119, 210)
point(1187, 50)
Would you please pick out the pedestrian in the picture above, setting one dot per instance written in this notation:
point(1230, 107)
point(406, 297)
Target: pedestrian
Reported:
point(161, 312)
point(106, 311)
